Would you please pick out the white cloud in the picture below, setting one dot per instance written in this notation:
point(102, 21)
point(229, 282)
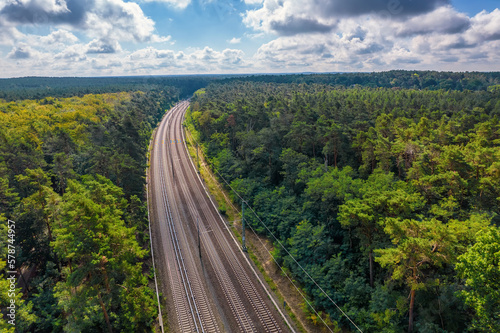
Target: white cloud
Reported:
point(60, 36)
point(151, 53)
point(287, 17)
point(119, 20)
point(253, 2)
point(72, 54)
point(445, 20)
point(101, 19)
point(22, 51)
point(92, 59)
point(206, 60)
point(106, 65)
point(54, 42)
point(234, 40)
point(178, 4)
point(292, 17)
point(9, 34)
point(231, 58)
point(160, 39)
point(84, 38)
point(103, 46)
point(485, 26)
point(442, 39)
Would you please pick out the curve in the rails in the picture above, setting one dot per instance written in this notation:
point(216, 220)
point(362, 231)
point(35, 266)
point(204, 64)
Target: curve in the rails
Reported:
point(189, 295)
point(249, 305)
point(240, 315)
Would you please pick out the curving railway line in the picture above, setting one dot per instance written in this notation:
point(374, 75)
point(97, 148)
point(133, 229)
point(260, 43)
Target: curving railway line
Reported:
point(193, 311)
point(209, 284)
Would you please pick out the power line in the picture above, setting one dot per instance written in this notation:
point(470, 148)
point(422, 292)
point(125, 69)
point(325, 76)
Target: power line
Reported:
point(282, 246)
point(288, 277)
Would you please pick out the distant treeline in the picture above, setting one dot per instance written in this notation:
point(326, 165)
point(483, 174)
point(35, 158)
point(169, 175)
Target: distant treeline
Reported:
point(397, 79)
point(40, 87)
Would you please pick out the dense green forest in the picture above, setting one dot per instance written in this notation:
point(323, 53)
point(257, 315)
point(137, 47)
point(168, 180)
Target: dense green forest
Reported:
point(430, 80)
point(384, 186)
point(72, 177)
point(389, 197)
point(41, 87)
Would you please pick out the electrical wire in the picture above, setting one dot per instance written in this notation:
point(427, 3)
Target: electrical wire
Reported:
point(282, 246)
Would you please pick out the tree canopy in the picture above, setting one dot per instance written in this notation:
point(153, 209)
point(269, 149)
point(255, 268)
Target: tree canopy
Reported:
point(72, 177)
point(377, 184)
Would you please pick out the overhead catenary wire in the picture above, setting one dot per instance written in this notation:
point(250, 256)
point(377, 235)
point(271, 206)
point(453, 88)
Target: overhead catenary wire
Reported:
point(282, 246)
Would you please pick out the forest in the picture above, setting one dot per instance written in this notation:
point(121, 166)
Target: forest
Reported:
point(384, 186)
point(398, 79)
point(72, 179)
point(59, 87)
point(389, 197)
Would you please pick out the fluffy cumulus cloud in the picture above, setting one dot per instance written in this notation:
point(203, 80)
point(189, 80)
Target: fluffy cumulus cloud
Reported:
point(334, 35)
point(178, 4)
point(444, 20)
point(81, 33)
point(9, 34)
point(118, 20)
point(103, 46)
point(22, 51)
point(203, 60)
point(96, 58)
point(46, 12)
point(72, 54)
point(234, 40)
point(486, 26)
point(61, 36)
point(290, 17)
point(108, 21)
point(253, 2)
point(115, 37)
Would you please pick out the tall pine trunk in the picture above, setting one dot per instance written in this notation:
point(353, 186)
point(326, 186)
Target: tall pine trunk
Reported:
point(106, 317)
point(412, 303)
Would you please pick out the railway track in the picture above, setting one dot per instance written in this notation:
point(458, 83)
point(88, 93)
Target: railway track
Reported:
point(247, 304)
point(241, 316)
point(187, 216)
point(192, 308)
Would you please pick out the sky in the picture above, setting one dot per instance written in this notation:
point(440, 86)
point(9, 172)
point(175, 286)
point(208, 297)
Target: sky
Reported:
point(164, 37)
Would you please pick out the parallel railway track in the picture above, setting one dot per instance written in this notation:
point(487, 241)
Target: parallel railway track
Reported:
point(190, 300)
point(244, 305)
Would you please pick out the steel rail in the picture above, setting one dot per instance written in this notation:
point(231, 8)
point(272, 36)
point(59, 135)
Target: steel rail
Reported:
point(269, 323)
point(237, 306)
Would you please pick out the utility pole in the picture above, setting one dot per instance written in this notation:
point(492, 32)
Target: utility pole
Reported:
point(197, 159)
point(199, 243)
point(172, 161)
point(244, 248)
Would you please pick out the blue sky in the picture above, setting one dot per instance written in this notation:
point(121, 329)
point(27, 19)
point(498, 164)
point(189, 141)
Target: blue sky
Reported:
point(161, 37)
